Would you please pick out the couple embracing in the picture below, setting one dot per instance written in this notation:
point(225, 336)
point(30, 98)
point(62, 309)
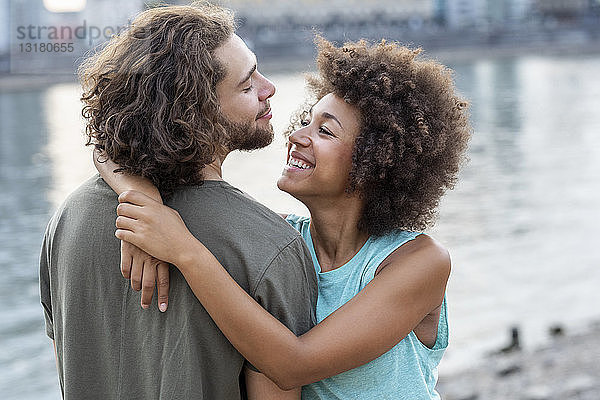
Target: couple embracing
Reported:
point(346, 304)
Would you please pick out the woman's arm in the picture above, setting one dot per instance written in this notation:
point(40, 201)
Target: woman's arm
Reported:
point(259, 387)
point(410, 286)
point(120, 182)
point(140, 268)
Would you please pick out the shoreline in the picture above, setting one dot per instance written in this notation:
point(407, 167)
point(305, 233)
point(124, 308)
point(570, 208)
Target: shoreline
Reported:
point(24, 82)
point(565, 368)
point(10, 82)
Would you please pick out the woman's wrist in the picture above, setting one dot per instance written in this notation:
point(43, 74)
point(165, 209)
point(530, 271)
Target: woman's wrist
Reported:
point(192, 253)
point(122, 181)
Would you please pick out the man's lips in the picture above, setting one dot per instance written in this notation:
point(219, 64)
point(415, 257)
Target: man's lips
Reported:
point(267, 114)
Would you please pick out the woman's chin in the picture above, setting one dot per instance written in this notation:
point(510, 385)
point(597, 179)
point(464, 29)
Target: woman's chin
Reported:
point(286, 184)
point(283, 184)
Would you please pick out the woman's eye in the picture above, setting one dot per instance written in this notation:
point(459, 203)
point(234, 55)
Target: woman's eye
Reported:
point(325, 131)
point(304, 122)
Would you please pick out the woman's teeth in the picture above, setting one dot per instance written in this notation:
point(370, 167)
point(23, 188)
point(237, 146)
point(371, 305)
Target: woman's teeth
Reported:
point(298, 164)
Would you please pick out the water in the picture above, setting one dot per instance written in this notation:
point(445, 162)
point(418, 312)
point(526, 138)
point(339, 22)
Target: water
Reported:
point(521, 225)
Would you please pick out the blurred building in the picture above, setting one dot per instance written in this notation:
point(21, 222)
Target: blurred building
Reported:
point(285, 28)
point(563, 8)
point(464, 13)
point(319, 11)
point(485, 13)
point(507, 12)
point(4, 26)
point(4, 35)
point(21, 13)
point(37, 29)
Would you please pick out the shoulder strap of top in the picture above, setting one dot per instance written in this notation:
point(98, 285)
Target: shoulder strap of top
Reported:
point(381, 247)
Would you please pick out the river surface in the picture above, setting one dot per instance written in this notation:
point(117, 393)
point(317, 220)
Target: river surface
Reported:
point(521, 225)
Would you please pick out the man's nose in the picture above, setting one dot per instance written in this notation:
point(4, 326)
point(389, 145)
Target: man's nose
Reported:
point(266, 90)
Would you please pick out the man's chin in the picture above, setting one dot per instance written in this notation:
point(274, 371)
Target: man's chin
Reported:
point(248, 137)
point(258, 139)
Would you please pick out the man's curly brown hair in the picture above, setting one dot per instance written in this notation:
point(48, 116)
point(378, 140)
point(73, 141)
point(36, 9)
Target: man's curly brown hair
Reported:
point(150, 95)
point(414, 129)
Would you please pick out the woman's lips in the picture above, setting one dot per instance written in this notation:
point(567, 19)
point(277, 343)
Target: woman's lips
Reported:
point(299, 156)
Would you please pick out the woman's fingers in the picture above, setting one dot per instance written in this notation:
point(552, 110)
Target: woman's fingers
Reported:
point(155, 228)
point(130, 210)
point(126, 223)
point(135, 197)
point(137, 271)
point(162, 281)
point(149, 267)
point(144, 272)
point(126, 259)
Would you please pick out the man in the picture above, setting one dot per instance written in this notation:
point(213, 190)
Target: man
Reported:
point(168, 100)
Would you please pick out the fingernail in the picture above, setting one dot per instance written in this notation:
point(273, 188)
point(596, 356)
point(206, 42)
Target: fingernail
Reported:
point(162, 307)
point(145, 306)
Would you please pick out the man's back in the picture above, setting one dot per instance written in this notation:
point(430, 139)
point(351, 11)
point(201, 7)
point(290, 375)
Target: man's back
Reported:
point(109, 348)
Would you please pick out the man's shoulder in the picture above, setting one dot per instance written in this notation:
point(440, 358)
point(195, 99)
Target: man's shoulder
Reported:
point(233, 210)
point(93, 189)
point(92, 199)
point(250, 240)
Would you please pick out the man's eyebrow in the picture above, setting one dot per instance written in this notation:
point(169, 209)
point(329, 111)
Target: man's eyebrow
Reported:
point(248, 75)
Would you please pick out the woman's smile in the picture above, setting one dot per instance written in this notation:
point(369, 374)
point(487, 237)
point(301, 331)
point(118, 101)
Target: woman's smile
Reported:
point(326, 138)
point(297, 160)
point(294, 163)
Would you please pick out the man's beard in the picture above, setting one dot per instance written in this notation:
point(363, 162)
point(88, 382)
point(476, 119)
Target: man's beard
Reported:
point(244, 137)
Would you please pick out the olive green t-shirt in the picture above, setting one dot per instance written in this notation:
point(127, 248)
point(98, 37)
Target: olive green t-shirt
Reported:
point(108, 347)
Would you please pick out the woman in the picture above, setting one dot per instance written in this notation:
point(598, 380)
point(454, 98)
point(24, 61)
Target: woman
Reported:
point(370, 160)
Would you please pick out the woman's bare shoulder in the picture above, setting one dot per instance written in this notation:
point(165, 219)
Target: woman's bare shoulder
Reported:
point(425, 253)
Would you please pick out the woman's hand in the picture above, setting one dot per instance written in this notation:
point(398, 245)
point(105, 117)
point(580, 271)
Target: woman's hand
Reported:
point(153, 227)
point(144, 270)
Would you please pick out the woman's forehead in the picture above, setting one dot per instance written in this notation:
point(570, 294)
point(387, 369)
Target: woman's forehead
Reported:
point(333, 107)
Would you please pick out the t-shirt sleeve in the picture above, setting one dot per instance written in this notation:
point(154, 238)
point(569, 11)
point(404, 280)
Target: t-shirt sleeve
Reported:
point(288, 288)
point(45, 295)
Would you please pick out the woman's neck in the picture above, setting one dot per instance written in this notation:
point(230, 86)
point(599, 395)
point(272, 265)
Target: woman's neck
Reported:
point(335, 234)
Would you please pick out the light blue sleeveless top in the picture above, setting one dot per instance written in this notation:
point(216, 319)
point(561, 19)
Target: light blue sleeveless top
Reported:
point(406, 372)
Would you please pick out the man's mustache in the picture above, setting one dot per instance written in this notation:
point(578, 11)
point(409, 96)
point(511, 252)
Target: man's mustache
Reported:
point(264, 111)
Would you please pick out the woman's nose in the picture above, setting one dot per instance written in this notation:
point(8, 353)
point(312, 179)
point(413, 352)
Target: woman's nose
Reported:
point(300, 137)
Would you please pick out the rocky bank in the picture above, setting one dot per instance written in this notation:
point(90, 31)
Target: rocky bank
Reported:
point(566, 368)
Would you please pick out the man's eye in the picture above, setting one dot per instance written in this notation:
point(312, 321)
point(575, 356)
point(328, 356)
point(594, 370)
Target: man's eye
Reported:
point(249, 88)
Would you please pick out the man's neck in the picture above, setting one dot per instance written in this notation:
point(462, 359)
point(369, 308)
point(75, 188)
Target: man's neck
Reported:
point(213, 171)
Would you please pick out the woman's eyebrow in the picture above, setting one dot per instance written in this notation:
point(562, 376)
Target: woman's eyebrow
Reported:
point(327, 115)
